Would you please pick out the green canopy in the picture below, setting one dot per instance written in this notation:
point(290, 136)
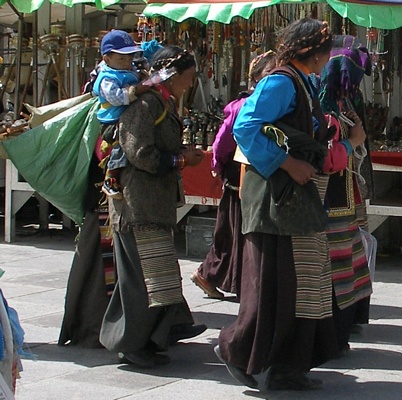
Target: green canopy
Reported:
point(369, 13)
point(29, 6)
point(217, 11)
point(375, 15)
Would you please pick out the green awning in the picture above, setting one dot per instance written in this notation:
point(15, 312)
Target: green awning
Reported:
point(215, 11)
point(375, 15)
point(383, 16)
point(29, 6)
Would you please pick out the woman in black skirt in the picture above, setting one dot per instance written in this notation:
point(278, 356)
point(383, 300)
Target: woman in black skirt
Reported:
point(285, 321)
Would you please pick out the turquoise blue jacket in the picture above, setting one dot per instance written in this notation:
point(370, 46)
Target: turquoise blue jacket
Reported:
point(108, 113)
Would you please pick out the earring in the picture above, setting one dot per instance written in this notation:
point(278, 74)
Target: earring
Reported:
point(316, 59)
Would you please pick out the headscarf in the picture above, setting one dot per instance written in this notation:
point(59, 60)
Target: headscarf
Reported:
point(150, 48)
point(341, 77)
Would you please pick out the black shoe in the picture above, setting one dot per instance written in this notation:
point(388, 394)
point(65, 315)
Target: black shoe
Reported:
point(144, 358)
point(185, 331)
point(290, 381)
point(238, 373)
point(141, 358)
point(111, 188)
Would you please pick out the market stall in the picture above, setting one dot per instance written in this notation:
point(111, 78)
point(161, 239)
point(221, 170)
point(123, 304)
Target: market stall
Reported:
point(224, 37)
point(376, 22)
point(387, 166)
point(47, 59)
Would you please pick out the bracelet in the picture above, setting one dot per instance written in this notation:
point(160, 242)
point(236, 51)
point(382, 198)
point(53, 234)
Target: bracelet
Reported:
point(178, 161)
point(348, 146)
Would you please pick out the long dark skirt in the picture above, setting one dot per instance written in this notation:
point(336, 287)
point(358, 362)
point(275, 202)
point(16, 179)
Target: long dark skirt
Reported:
point(129, 324)
point(343, 321)
point(266, 332)
point(362, 313)
point(222, 265)
point(86, 296)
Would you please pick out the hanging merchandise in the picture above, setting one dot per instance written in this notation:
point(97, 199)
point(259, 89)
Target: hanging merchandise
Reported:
point(210, 39)
point(242, 46)
point(184, 35)
point(224, 51)
point(227, 56)
point(377, 110)
point(158, 31)
point(142, 28)
point(215, 53)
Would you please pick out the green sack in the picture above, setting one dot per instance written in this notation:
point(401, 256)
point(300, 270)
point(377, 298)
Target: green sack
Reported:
point(54, 157)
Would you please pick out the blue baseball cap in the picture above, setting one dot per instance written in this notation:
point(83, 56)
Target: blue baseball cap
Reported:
point(118, 42)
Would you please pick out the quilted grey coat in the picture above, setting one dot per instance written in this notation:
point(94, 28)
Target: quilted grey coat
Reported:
point(150, 133)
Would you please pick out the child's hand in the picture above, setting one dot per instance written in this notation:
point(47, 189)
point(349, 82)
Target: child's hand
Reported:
point(132, 93)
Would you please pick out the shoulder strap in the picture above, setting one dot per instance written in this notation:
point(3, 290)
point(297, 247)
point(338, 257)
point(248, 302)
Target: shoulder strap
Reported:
point(165, 107)
point(162, 117)
point(298, 81)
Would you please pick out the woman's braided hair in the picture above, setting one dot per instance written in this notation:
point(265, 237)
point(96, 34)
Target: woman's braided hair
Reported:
point(172, 56)
point(264, 61)
point(302, 39)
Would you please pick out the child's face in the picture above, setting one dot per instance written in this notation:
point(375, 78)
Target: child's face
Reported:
point(119, 61)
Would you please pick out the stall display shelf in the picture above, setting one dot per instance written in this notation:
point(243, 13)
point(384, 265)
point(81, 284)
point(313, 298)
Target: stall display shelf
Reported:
point(388, 204)
point(200, 187)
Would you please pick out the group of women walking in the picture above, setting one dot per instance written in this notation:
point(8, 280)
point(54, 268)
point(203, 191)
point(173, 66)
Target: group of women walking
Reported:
point(304, 274)
point(293, 255)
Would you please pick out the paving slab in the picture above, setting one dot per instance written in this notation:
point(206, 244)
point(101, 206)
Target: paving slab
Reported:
point(37, 268)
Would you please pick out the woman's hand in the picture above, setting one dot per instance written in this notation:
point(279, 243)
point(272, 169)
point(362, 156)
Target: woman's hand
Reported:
point(300, 171)
point(357, 135)
point(193, 157)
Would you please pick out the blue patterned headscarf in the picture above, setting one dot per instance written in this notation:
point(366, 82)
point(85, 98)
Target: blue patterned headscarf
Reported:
point(341, 77)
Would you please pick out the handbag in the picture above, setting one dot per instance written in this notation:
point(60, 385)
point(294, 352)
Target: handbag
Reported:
point(291, 202)
point(296, 209)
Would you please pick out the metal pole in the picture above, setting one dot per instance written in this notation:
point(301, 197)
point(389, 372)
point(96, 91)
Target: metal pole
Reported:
point(18, 60)
point(18, 68)
point(35, 57)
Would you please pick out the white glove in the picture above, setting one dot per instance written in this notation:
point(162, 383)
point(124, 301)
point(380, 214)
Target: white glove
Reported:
point(131, 94)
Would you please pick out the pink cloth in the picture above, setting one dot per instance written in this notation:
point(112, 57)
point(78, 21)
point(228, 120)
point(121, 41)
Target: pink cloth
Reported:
point(337, 158)
point(224, 144)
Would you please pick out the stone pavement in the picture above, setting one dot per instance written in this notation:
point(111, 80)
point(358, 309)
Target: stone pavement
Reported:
point(36, 271)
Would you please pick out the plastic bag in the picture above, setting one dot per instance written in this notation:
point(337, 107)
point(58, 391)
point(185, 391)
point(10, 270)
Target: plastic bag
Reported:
point(41, 114)
point(370, 248)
